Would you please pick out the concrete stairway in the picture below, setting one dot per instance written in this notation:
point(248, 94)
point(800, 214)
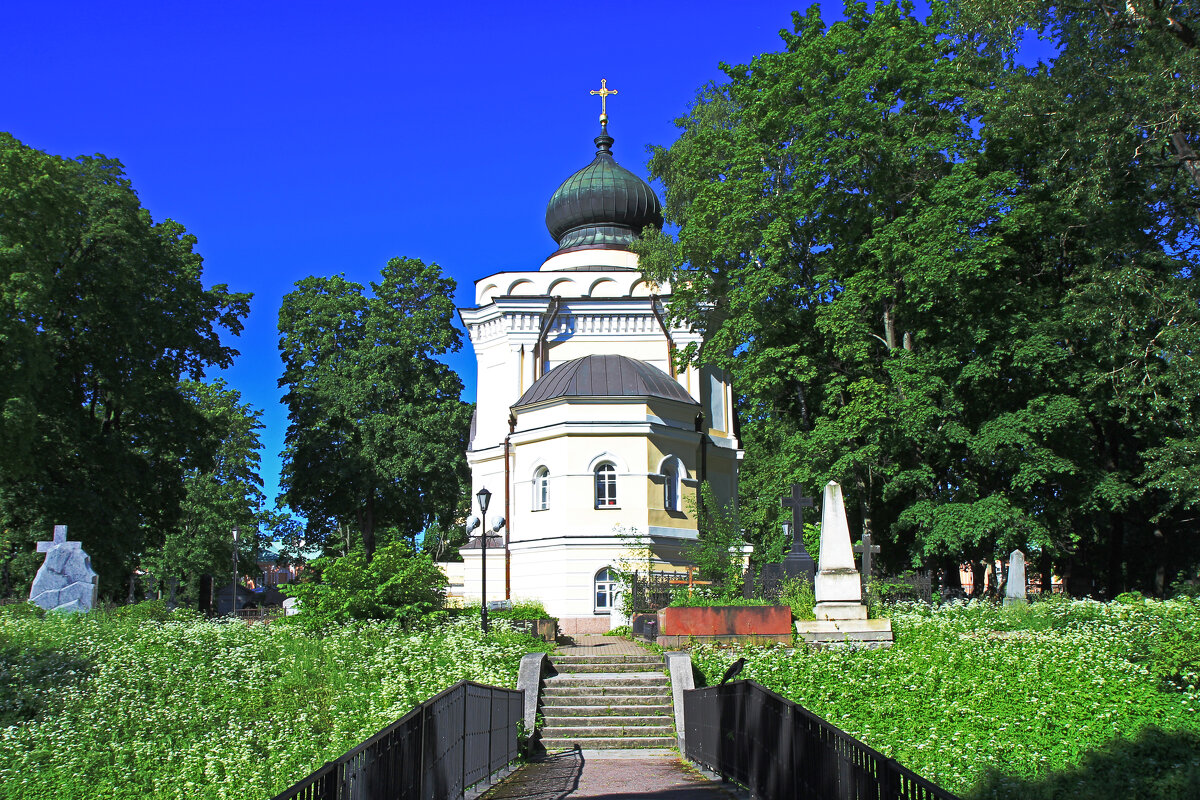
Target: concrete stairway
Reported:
point(607, 702)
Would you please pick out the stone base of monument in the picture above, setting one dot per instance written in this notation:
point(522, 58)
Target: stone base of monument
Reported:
point(870, 633)
point(745, 624)
point(839, 611)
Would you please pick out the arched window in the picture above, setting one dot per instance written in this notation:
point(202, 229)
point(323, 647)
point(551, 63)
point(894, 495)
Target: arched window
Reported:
point(671, 479)
point(606, 590)
point(606, 486)
point(541, 489)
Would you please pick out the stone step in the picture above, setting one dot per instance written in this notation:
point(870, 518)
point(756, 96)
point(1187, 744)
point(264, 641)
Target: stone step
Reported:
point(607, 679)
point(606, 667)
point(612, 659)
point(607, 743)
point(572, 668)
point(605, 692)
point(613, 709)
point(603, 722)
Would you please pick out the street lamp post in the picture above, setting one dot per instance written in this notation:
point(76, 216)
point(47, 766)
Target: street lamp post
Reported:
point(233, 585)
point(485, 497)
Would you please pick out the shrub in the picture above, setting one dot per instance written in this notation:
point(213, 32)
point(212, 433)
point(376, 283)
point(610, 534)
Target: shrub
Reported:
point(703, 598)
point(397, 585)
point(717, 550)
point(154, 611)
point(798, 593)
point(521, 610)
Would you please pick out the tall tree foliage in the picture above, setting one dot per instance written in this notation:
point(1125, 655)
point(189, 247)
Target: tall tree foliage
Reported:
point(102, 312)
point(1103, 139)
point(222, 490)
point(930, 289)
point(376, 427)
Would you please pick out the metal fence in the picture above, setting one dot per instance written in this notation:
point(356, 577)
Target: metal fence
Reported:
point(650, 591)
point(780, 751)
point(435, 752)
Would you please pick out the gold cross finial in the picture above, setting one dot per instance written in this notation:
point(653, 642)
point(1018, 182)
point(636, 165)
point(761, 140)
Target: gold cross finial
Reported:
point(604, 92)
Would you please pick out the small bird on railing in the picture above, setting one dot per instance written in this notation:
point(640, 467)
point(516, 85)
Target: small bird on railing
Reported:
point(734, 670)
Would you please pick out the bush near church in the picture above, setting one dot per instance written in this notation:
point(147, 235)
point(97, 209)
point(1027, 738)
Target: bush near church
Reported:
point(398, 585)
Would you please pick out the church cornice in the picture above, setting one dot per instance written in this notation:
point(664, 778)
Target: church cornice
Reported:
point(523, 316)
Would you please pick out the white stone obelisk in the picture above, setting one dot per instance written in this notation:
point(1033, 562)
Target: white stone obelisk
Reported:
point(1014, 589)
point(838, 586)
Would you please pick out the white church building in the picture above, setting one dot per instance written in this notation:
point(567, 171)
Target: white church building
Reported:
point(584, 432)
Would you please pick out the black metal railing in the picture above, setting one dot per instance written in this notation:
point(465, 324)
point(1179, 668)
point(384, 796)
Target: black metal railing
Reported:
point(781, 751)
point(650, 591)
point(442, 747)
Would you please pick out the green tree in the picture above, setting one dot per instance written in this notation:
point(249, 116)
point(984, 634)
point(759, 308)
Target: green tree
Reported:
point(222, 493)
point(961, 288)
point(834, 248)
point(1102, 141)
point(717, 549)
point(376, 427)
point(102, 312)
point(397, 584)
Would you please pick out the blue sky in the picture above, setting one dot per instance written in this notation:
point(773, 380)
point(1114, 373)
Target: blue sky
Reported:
point(311, 139)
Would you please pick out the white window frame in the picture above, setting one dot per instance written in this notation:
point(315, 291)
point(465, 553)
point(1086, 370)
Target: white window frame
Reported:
point(605, 485)
point(541, 489)
point(604, 587)
point(672, 485)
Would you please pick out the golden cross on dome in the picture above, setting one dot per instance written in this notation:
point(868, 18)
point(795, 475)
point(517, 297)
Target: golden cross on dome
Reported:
point(604, 92)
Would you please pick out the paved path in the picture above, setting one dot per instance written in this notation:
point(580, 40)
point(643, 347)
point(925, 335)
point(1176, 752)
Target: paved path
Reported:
point(595, 644)
point(606, 775)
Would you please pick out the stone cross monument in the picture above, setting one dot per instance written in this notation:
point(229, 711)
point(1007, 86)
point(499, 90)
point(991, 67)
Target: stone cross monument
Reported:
point(797, 562)
point(66, 580)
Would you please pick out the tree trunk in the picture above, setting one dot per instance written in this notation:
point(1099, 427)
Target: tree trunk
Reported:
point(1046, 567)
point(368, 528)
point(1116, 554)
point(952, 583)
point(1160, 564)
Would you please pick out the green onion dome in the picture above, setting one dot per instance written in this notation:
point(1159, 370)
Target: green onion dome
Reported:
point(603, 205)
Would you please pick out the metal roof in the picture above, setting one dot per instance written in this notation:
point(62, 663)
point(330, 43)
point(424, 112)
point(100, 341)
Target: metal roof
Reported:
point(602, 205)
point(604, 376)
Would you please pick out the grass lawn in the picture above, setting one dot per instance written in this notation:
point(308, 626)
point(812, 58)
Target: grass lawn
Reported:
point(1061, 699)
point(106, 705)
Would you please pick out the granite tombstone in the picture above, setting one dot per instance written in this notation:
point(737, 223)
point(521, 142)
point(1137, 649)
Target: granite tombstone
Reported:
point(66, 581)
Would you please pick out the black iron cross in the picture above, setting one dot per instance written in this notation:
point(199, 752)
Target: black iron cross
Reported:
point(867, 550)
point(796, 501)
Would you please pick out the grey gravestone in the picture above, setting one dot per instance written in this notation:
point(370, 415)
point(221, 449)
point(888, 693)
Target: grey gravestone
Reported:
point(66, 580)
point(798, 562)
point(1014, 588)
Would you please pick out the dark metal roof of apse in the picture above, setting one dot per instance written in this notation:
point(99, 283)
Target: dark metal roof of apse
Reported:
point(604, 376)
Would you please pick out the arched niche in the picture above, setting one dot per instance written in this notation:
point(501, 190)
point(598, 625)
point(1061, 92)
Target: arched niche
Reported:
point(487, 294)
point(522, 286)
point(564, 287)
point(605, 287)
point(641, 289)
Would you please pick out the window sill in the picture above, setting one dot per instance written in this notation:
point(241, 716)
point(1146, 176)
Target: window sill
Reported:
point(608, 508)
point(535, 510)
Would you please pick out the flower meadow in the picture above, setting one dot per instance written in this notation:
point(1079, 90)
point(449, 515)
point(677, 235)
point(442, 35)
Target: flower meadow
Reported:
point(100, 706)
point(1053, 700)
